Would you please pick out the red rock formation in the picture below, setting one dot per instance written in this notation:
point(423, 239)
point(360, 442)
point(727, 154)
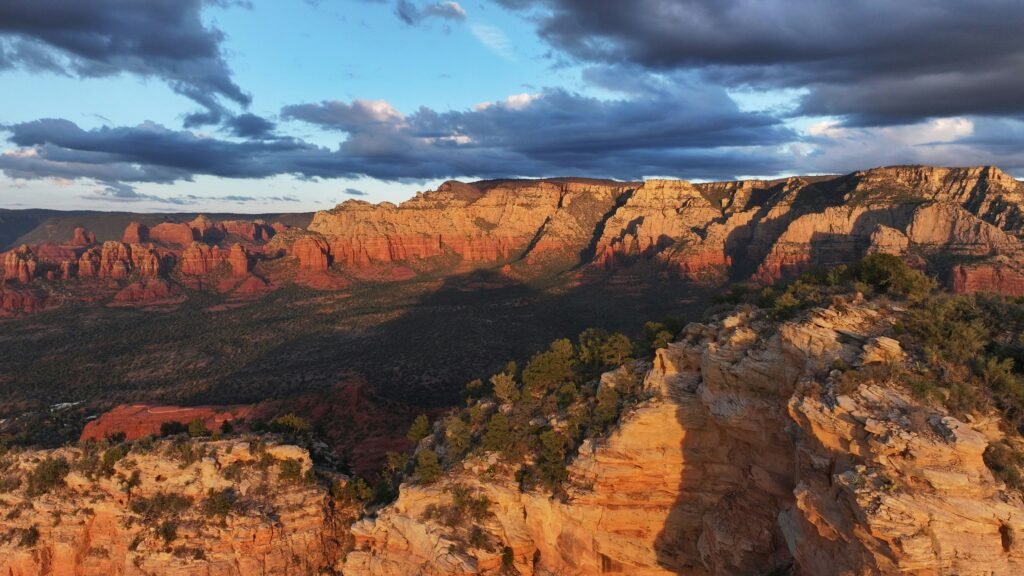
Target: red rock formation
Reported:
point(16, 301)
point(176, 233)
point(278, 227)
point(135, 233)
point(482, 223)
point(138, 420)
point(998, 276)
point(21, 264)
point(82, 237)
point(146, 290)
point(238, 259)
point(312, 252)
point(117, 260)
point(253, 231)
point(199, 259)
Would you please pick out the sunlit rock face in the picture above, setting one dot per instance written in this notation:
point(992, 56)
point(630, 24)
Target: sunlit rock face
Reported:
point(95, 524)
point(709, 233)
point(738, 463)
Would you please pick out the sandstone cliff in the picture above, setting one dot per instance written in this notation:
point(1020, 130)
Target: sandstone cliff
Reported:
point(706, 232)
point(174, 507)
point(748, 455)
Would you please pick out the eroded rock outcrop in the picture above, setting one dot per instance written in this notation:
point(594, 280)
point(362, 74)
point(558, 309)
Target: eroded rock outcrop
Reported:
point(745, 458)
point(99, 524)
point(117, 260)
point(173, 233)
point(82, 237)
point(20, 264)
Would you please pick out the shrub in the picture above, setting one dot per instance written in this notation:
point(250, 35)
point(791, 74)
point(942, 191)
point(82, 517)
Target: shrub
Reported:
point(505, 388)
point(497, 436)
point(607, 409)
point(197, 429)
point(172, 428)
point(888, 274)
point(28, 537)
point(355, 490)
point(47, 475)
point(290, 470)
point(168, 531)
point(428, 469)
point(219, 502)
point(457, 437)
point(419, 429)
point(550, 369)
point(1005, 463)
point(160, 505)
point(290, 423)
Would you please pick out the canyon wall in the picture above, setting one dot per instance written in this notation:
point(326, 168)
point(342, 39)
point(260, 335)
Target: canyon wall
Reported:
point(963, 225)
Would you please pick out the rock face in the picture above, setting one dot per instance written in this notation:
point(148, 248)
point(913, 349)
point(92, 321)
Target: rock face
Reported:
point(200, 259)
point(20, 264)
point(745, 459)
point(705, 232)
point(82, 237)
point(135, 233)
point(173, 233)
point(312, 253)
point(117, 260)
point(1001, 276)
point(485, 222)
point(96, 526)
point(146, 290)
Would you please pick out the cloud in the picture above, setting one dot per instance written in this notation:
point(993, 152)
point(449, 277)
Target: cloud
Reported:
point(250, 126)
point(676, 128)
point(164, 39)
point(872, 62)
point(354, 192)
point(120, 192)
point(412, 14)
point(494, 39)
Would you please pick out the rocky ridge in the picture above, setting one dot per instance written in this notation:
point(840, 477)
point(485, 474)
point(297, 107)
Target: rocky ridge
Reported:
point(176, 508)
point(964, 225)
point(748, 455)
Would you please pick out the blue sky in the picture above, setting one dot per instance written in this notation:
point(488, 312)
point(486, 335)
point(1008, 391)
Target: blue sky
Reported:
point(111, 108)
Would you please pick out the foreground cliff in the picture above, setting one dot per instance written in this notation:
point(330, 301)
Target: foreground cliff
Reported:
point(759, 447)
point(182, 507)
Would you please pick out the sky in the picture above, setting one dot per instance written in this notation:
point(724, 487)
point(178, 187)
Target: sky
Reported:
point(297, 105)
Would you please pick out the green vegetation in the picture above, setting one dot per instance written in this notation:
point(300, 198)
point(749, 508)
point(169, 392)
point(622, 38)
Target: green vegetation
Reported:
point(289, 470)
point(419, 429)
point(1005, 463)
point(47, 475)
point(428, 468)
point(160, 506)
point(533, 419)
point(290, 424)
point(219, 502)
point(197, 429)
point(464, 514)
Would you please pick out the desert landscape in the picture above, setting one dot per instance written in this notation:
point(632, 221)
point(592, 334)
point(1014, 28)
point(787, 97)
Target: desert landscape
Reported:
point(511, 288)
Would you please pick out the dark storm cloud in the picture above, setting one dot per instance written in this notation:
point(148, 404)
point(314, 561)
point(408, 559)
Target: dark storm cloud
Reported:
point(250, 126)
point(873, 61)
point(675, 129)
point(156, 38)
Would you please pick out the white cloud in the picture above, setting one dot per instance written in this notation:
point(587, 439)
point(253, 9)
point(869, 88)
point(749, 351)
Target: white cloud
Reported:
point(494, 39)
